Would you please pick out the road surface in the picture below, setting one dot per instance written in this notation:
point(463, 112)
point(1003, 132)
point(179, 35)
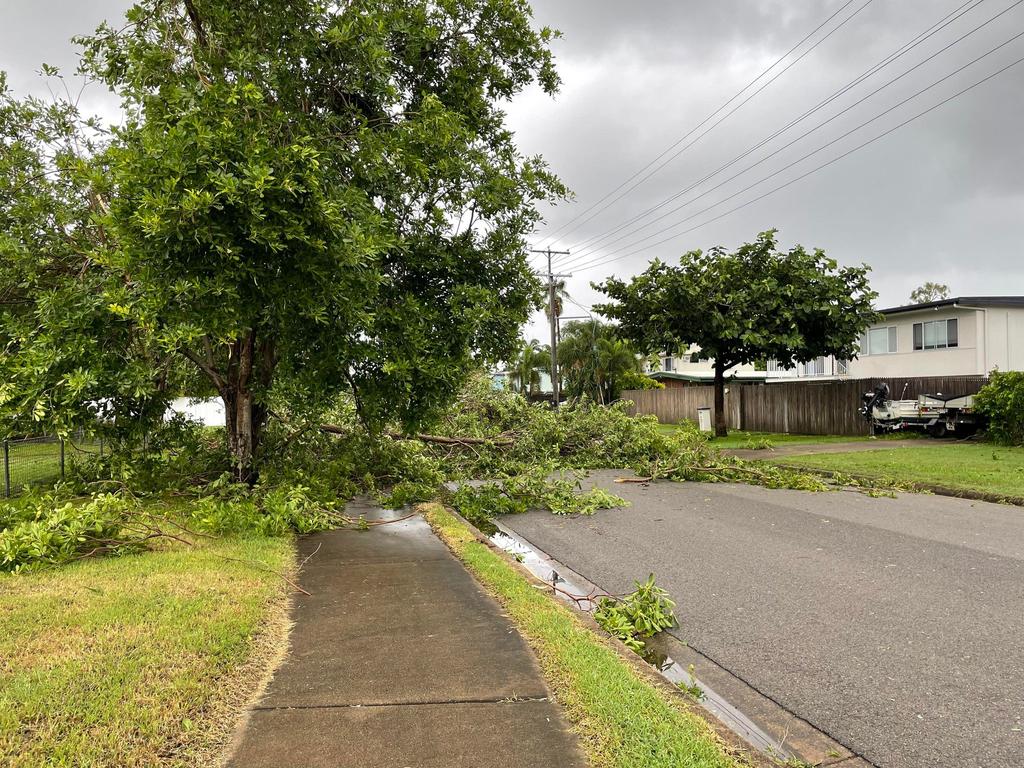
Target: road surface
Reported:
point(894, 625)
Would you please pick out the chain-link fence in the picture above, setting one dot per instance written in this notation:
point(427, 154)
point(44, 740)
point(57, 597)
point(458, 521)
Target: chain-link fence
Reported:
point(42, 460)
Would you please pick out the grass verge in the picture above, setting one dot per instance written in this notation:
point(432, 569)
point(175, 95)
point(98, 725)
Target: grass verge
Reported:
point(743, 439)
point(623, 720)
point(958, 466)
point(138, 660)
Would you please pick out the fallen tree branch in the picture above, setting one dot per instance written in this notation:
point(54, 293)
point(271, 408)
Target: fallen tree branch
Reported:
point(334, 429)
point(443, 440)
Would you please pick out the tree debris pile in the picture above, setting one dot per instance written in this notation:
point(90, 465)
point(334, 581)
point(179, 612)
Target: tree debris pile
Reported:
point(491, 453)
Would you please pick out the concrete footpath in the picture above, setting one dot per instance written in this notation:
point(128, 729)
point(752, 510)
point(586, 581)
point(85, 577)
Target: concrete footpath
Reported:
point(398, 658)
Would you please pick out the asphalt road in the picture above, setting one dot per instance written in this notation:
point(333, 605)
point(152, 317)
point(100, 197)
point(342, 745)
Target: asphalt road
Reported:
point(894, 625)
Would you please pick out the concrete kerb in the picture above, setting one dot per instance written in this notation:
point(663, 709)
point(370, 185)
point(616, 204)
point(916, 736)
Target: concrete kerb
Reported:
point(734, 743)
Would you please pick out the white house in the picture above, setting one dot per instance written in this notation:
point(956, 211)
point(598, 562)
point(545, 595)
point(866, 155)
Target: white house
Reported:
point(690, 366)
point(963, 336)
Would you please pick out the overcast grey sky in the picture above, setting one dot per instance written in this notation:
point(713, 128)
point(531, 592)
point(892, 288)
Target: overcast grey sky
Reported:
point(940, 199)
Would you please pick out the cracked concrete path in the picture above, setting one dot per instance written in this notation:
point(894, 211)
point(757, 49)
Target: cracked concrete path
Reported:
point(398, 658)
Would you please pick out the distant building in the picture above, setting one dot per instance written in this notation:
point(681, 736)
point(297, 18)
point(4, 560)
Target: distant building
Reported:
point(963, 336)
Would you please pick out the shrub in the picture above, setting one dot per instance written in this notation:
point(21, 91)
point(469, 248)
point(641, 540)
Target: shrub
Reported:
point(634, 380)
point(1001, 401)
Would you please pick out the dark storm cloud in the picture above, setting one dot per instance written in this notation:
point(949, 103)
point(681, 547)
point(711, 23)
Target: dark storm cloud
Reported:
point(940, 199)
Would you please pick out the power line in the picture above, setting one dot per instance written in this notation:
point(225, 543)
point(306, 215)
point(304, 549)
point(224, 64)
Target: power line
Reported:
point(718, 122)
point(809, 154)
point(562, 229)
point(588, 246)
point(603, 261)
point(573, 301)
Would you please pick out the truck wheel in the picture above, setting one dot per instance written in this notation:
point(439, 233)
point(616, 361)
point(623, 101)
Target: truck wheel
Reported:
point(938, 429)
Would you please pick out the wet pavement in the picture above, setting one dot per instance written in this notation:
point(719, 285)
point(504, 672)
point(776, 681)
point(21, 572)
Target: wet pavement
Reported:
point(398, 658)
point(893, 625)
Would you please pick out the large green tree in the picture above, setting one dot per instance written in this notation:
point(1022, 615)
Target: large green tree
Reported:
point(753, 304)
point(319, 192)
point(65, 359)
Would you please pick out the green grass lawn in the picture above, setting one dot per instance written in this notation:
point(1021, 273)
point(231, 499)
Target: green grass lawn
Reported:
point(742, 439)
point(970, 466)
point(138, 660)
point(623, 721)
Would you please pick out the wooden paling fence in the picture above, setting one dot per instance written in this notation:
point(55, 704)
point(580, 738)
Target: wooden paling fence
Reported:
point(673, 405)
point(800, 407)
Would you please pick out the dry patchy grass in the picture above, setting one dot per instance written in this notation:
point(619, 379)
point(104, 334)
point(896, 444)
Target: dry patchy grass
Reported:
point(137, 661)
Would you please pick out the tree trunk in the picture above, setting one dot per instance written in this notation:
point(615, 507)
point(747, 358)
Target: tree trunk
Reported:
point(250, 366)
point(241, 384)
point(242, 433)
point(721, 429)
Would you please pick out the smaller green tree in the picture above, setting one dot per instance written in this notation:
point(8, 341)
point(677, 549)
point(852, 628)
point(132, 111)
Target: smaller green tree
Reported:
point(754, 304)
point(929, 292)
point(1001, 401)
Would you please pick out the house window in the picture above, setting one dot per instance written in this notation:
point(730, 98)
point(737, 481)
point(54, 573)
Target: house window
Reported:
point(936, 334)
point(879, 341)
point(668, 363)
point(695, 357)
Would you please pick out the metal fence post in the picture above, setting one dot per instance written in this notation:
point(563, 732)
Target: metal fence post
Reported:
point(62, 458)
point(7, 469)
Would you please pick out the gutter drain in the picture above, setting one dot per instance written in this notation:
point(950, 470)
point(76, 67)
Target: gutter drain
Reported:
point(577, 591)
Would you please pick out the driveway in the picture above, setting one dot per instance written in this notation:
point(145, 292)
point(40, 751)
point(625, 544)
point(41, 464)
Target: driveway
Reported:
point(894, 625)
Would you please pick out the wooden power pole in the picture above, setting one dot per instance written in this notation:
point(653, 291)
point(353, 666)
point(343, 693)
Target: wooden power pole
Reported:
point(555, 394)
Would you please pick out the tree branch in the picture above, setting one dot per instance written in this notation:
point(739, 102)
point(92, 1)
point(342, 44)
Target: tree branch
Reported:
point(334, 429)
point(197, 23)
point(208, 369)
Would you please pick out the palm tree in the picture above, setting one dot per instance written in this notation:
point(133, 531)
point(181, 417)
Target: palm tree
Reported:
point(615, 358)
point(527, 366)
point(593, 360)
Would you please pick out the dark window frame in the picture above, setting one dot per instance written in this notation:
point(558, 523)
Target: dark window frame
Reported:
point(952, 335)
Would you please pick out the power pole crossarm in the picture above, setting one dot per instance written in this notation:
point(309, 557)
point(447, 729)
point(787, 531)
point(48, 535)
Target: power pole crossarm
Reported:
point(555, 394)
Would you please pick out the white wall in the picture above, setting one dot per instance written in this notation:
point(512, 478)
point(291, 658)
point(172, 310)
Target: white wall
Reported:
point(208, 412)
point(1004, 334)
point(963, 360)
point(681, 364)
